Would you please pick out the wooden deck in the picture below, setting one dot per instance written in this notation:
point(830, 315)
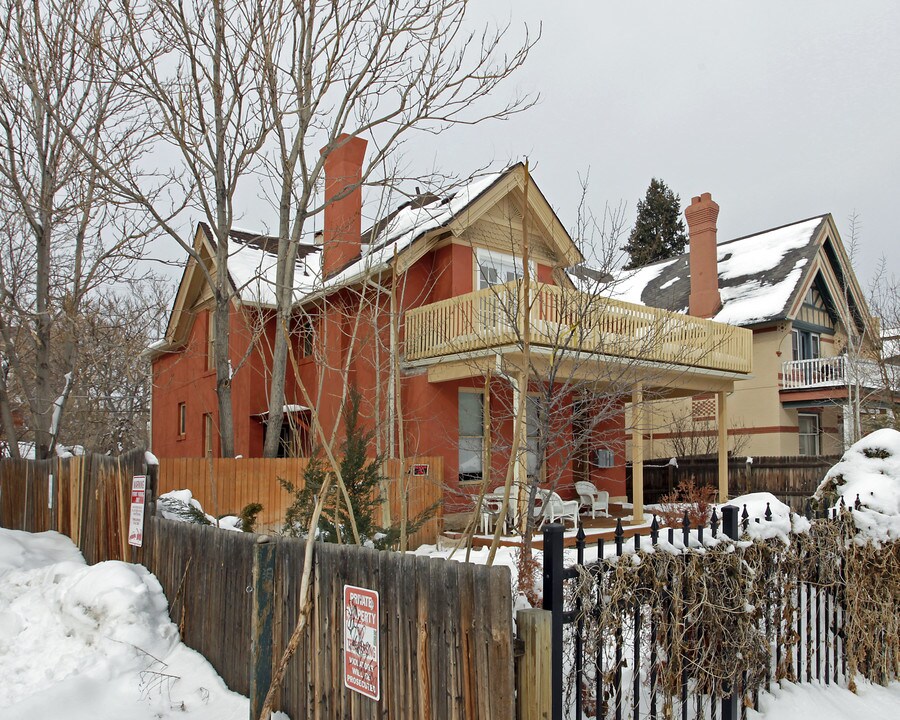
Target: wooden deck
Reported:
point(575, 321)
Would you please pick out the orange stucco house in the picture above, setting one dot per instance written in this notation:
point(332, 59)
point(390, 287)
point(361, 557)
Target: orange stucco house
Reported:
point(441, 371)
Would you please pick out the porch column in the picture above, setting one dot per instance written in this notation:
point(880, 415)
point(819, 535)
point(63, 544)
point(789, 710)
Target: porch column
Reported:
point(637, 452)
point(722, 418)
point(520, 469)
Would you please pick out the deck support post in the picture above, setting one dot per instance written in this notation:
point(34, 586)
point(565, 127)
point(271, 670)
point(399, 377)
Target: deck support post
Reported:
point(722, 421)
point(637, 452)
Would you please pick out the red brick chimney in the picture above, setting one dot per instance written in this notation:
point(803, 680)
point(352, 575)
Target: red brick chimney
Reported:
point(343, 217)
point(701, 217)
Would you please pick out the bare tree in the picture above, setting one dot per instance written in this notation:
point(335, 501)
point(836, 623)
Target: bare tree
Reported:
point(365, 68)
point(64, 232)
point(110, 402)
point(196, 66)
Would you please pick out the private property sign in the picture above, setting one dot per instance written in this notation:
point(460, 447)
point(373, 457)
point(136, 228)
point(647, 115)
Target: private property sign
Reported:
point(362, 671)
point(136, 522)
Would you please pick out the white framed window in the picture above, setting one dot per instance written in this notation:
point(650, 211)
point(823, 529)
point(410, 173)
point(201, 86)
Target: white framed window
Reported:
point(182, 419)
point(808, 431)
point(497, 268)
point(471, 436)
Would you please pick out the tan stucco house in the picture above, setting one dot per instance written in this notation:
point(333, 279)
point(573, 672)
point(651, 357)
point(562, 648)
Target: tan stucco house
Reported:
point(813, 338)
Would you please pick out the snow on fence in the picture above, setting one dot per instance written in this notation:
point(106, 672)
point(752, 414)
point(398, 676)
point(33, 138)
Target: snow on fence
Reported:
point(87, 497)
point(792, 479)
point(446, 648)
point(695, 622)
point(223, 486)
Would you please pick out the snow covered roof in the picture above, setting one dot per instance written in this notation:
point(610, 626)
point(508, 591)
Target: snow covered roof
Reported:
point(758, 275)
point(252, 260)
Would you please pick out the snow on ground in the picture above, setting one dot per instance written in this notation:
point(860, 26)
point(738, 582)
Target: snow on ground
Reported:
point(95, 642)
point(870, 471)
point(827, 702)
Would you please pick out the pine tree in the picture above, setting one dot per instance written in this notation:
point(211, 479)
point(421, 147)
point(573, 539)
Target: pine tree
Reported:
point(363, 480)
point(658, 231)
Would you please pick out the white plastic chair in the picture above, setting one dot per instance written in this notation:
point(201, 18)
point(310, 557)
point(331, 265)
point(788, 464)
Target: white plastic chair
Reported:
point(592, 498)
point(555, 508)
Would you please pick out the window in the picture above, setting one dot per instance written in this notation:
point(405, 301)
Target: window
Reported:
point(808, 428)
point(533, 433)
point(495, 268)
point(471, 436)
point(207, 435)
point(210, 341)
point(805, 345)
point(182, 419)
point(302, 329)
point(604, 459)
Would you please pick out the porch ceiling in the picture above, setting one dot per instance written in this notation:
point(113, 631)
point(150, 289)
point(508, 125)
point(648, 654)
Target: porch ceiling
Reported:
point(603, 372)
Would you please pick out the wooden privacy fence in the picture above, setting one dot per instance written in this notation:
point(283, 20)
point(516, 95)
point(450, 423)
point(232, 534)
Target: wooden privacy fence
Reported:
point(223, 486)
point(445, 628)
point(87, 497)
point(790, 479)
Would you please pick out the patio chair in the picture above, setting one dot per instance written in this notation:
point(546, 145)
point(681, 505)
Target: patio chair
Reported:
point(592, 498)
point(555, 508)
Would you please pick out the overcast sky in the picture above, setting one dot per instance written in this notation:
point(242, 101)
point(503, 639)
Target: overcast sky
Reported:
point(782, 110)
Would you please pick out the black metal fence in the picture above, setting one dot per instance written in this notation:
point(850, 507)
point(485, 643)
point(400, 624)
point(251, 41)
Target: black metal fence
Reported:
point(660, 625)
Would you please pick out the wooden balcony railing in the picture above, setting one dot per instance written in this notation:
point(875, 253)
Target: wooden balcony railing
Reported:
point(829, 372)
point(576, 322)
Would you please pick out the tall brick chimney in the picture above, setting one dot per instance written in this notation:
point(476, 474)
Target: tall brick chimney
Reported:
point(701, 216)
point(343, 217)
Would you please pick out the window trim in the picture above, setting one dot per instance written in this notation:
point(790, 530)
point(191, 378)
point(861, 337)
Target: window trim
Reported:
point(817, 435)
point(208, 449)
point(210, 341)
point(182, 419)
point(542, 462)
point(473, 479)
point(492, 256)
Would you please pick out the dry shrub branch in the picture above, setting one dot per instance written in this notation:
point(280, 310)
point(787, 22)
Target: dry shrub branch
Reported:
point(726, 617)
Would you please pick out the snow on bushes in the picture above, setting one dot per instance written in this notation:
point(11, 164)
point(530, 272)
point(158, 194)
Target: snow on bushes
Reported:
point(181, 506)
point(869, 471)
point(782, 522)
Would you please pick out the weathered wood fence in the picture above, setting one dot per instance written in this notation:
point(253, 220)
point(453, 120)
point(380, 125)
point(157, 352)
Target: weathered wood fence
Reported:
point(446, 630)
point(224, 485)
point(446, 647)
point(790, 479)
point(86, 497)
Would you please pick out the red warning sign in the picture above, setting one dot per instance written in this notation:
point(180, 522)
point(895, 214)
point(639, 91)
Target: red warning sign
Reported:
point(362, 670)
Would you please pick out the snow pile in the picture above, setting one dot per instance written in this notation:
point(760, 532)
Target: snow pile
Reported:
point(870, 471)
point(94, 642)
point(783, 521)
point(181, 506)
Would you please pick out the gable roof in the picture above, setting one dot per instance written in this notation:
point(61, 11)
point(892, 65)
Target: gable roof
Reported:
point(760, 275)
point(252, 257)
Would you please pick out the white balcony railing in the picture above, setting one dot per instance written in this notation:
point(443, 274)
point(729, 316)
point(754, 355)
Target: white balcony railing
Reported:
point(829, 372)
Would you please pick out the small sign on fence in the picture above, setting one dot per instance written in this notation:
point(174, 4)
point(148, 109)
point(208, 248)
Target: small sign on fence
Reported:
point(136, 521)
point(420, 470)
point(362, 671)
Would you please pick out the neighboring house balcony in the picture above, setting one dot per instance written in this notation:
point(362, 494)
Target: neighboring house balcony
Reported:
point(583, 328)
point(827, 378)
